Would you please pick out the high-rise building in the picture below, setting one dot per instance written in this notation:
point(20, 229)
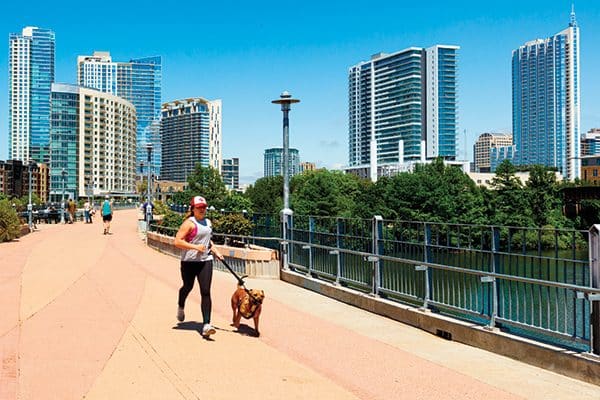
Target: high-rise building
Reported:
point(403, 108)
point(138, 81)
point(483, 148)
point(273, 162)
point(191, 134)
point(230, 171)
point(93, 138)
point(307, 166)
point(590, 143)
point(30, 74)
point(546, 102)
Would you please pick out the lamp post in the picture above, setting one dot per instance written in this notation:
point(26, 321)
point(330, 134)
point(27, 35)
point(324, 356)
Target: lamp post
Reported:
point(149, 198)
point(285, 99)
point(31, 166)
point(63, 174)
point(141, 182)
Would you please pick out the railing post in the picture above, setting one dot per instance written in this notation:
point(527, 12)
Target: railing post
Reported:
point(378, 250)
point(311, 237)
point(494, 282)
point(427, 259)
point(338, 244)
point(594, 255)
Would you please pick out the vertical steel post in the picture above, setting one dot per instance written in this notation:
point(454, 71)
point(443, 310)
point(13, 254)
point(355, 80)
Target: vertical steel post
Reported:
point(594, 255)
point(377, 249)
point(29, 205)
point(311, 236)
point(495, 261)
point(338, 244)
point(149, 191)
point(286, 215)
point(427, 258)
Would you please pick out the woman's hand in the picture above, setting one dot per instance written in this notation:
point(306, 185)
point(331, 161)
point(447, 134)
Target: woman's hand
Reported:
point(201, 248)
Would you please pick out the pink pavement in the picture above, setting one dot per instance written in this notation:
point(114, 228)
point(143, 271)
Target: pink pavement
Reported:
point(87, 315)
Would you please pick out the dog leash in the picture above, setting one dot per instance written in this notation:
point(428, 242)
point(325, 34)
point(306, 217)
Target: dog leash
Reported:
point(241, 281)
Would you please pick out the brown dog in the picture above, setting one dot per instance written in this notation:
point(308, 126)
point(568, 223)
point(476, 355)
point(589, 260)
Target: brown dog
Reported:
point(247, 304)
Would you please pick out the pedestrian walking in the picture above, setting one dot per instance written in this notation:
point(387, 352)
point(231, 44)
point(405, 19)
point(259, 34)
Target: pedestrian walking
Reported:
point(71, 207)
point(106, 214)
point(194, 237)
point(87, 212)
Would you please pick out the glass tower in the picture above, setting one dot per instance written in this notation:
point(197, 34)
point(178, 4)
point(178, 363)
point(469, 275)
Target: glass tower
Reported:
point(140, 82)
point(546, 107)
point(191, 134)
point(30, 76)
point(273, 162)
point(402, 107)
point(64, 141)
point(231, 173)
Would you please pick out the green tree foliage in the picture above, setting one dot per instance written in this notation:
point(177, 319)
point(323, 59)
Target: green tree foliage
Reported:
point(510, 205)
point(207, 182)
point(324, 193)
point(237, 202)
point(433, 192)
point(266, 195)
point(232, 224)
point(546, 205)
point(10, 226)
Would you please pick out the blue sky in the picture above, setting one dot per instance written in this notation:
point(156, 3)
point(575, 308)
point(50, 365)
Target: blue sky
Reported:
point(246, 54)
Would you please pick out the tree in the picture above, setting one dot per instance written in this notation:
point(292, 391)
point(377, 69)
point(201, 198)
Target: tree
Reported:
point(433, 192)
point(510, 202)
point(206, 182)
point(10, 226)
point(237, 202)
point(324, 193)
point(543, 196)
point(266, 195)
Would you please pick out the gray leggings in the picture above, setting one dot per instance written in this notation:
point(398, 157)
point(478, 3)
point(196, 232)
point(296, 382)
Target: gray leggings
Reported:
point(201, 270)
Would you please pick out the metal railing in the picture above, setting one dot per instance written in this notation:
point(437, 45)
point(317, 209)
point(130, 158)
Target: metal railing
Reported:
point(532, 282)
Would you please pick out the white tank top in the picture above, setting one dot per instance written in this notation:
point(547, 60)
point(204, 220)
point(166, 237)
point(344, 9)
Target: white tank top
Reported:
point(201, 234)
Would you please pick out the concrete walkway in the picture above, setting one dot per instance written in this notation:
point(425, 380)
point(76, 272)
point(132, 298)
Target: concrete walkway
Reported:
point(83, 315)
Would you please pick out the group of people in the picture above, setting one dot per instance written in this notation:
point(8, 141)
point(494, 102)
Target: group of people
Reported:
point(89, 211)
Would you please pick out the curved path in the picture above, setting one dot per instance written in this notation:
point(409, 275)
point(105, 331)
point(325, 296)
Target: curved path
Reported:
point(83, 315)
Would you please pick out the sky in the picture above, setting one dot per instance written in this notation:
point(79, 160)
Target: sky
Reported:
point(247, 53)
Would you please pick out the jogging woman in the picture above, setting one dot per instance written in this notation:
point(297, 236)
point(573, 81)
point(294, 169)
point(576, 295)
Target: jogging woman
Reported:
point(194, 237)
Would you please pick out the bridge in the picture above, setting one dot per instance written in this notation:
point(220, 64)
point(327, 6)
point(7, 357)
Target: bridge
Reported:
point(90, 316)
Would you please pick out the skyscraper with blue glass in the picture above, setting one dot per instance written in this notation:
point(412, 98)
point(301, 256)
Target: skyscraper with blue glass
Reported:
point(140, 82)
point(546, 105)
point(30, 76)
point(403, 108)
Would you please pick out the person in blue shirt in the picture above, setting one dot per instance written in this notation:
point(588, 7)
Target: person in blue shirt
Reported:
point(106, 214)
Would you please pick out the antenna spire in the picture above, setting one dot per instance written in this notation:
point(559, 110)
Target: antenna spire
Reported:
point(573, 21)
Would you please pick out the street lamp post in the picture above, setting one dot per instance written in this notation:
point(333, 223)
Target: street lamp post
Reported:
point(31, 166)
point(285, 100)
point(63, 174)
point(148, 201)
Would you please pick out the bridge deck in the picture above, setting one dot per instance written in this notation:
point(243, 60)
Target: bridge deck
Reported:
point(85, 315)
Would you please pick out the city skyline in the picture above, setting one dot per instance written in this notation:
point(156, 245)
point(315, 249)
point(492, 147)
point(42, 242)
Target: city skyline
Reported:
point(247, 55)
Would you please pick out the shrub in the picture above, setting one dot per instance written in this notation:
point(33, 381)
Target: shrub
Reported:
point(232, 224)
point(9, 222)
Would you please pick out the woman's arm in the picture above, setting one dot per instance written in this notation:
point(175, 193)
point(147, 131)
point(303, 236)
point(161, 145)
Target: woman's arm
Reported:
point(216, 252)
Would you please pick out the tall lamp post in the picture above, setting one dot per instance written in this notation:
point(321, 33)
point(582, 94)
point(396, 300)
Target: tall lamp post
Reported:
point(31, 166)
point(285, 99)
point(148, 201)
point(63, 174)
